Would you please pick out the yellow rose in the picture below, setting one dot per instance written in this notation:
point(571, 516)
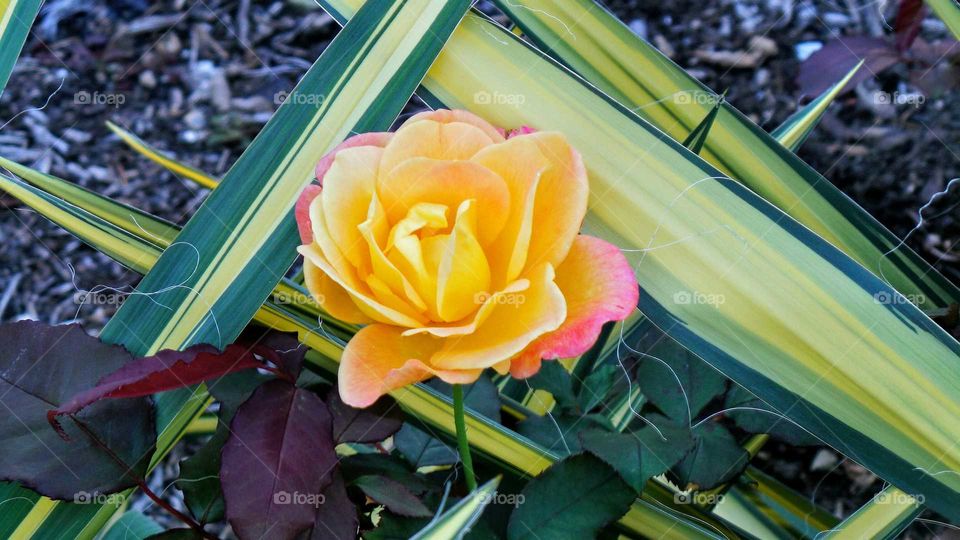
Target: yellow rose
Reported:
point(459, 248)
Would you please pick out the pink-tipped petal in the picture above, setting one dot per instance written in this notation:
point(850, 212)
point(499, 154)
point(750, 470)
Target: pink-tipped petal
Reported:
point(379, 359)
point(377, 138)
point(599, 286)
point(302, 212)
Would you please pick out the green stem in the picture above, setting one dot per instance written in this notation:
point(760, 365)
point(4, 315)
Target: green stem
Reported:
point(462, 437)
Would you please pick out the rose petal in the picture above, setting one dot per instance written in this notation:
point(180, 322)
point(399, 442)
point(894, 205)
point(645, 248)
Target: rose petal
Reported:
point(433, 140)
point(520, 163)
point(445, 116)
point(544, 165)
point(510, 327)
point(449, 183)
point(378, 139)
point(301, 212)
point(374, 231)
point(378, 359)
point(463, 272)
point(360, 293)
point(502, 296)
point(333, 298)
point(347, 190)
point(599, 286)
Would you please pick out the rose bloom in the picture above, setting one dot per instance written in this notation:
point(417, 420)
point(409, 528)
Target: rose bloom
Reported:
point(459, 249)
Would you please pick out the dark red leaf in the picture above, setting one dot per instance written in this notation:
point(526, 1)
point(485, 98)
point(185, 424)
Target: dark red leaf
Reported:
point(369, 425)
point(393, 495)
point(285, 348)
point(42, 366)
point(337, 517)
point(910, 15)
point(166, 370)
point(831, 63)
point(278, 462)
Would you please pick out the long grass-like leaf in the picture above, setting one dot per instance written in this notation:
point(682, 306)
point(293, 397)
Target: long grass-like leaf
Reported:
point(795, 129)
point(887, 513)
point(636, 74)
point(949, 13)
point(760, 297)
point(16, 17)
point(172, 165)
point(242, 240)
point(456, 522)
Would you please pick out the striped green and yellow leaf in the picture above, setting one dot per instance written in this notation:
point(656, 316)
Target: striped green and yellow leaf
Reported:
point(590, 40)
point(16, 18)
point(949, 13)
point(174, 166)
point(795, 129)
point(456, 522)
point(882, 518)
point(758, 295)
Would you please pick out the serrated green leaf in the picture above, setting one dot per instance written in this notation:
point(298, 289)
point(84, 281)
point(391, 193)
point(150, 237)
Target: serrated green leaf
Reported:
point(573, 499)
point(132, 525)
point(714, 459)
point(678, 382)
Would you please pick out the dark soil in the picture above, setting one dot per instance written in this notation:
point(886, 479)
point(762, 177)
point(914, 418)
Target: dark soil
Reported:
point(199, 80)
